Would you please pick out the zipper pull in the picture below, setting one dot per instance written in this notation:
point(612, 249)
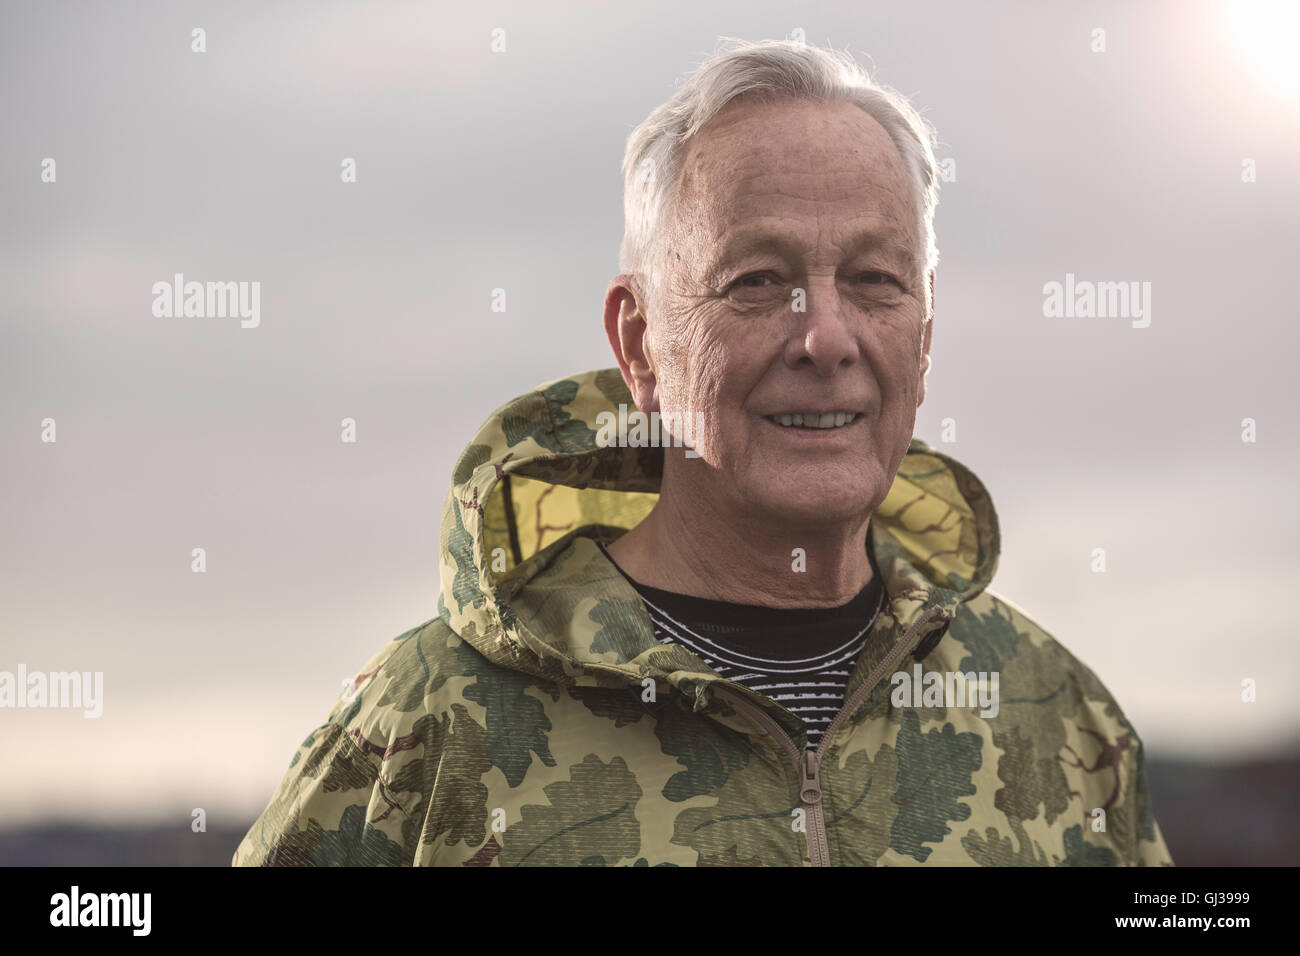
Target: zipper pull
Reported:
point(810, 783)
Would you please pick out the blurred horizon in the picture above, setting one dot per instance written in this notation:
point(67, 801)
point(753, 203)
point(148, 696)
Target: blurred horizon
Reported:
point(1209, 815)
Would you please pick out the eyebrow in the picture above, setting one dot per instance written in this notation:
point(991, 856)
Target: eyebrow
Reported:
point(750, 242)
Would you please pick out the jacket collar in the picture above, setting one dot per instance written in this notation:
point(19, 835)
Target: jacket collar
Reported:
point(525, 584)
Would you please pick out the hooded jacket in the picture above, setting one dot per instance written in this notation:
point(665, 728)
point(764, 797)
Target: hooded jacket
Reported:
point(537, 721)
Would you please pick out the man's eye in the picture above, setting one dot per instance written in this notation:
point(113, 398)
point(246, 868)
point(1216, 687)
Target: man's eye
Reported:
point(877, 278)
point(749, 280)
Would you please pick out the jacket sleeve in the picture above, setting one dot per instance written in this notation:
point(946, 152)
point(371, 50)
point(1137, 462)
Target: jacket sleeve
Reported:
point(358, 790)
point(321, 814)
point(1149, 847)
point(335, 806)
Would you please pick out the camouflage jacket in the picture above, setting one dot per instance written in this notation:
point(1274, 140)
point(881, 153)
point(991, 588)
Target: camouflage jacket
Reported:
point(537, 721)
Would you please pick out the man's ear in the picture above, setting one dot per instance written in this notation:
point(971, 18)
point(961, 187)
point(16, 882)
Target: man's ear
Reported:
point(925, 346)
point(625, 327)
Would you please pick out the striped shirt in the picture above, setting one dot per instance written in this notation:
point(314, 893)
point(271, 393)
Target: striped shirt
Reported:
point(800, 657)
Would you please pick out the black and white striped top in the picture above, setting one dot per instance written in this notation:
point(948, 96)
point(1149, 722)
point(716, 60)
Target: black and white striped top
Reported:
point(800, 657)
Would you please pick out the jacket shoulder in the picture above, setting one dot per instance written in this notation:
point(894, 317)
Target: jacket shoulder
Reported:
point(1065, 744)
point(355, 787)
point(998, 635)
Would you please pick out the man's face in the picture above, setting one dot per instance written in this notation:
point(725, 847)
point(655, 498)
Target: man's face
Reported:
point(782, 206)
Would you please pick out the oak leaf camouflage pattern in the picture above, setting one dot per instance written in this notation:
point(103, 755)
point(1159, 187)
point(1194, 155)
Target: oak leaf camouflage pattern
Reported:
point(536, 720)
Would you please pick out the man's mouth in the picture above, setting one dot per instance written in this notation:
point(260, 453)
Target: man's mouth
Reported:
point(813, 419)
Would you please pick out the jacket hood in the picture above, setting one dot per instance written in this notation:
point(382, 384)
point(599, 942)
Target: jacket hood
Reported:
point(524, 583)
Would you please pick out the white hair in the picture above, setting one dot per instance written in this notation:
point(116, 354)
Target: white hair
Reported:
point(657, 148)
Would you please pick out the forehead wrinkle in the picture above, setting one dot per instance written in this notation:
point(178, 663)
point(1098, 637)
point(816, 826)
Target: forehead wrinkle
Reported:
point(715, 183)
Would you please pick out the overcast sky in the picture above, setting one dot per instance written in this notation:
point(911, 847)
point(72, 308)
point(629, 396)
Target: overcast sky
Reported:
point(478, 170)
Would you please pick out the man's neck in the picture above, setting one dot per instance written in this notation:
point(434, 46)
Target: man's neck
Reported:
point(745, 560)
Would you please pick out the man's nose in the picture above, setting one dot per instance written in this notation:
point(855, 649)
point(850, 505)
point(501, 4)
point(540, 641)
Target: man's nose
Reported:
point(822, 334)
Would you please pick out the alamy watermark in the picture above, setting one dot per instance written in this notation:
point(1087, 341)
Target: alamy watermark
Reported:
point(1098, 300)
point(198, 300)
point(75, 908)
point(635, 429)
point(946, 689)
point(56, 689)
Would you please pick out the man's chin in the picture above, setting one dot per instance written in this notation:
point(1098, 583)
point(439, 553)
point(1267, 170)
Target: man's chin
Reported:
point(811, 503)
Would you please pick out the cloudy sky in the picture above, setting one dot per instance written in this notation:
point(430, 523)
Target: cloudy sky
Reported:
point(478, 170)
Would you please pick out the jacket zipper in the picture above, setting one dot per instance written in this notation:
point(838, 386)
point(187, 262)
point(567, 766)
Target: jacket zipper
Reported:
point(808, 763)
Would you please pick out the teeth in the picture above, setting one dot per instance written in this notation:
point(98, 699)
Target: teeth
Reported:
point(809, 420)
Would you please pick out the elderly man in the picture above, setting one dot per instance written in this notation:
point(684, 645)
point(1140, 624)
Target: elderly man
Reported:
point(764, 633)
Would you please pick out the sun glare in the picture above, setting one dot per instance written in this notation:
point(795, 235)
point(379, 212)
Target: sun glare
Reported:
point(1265, 34)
